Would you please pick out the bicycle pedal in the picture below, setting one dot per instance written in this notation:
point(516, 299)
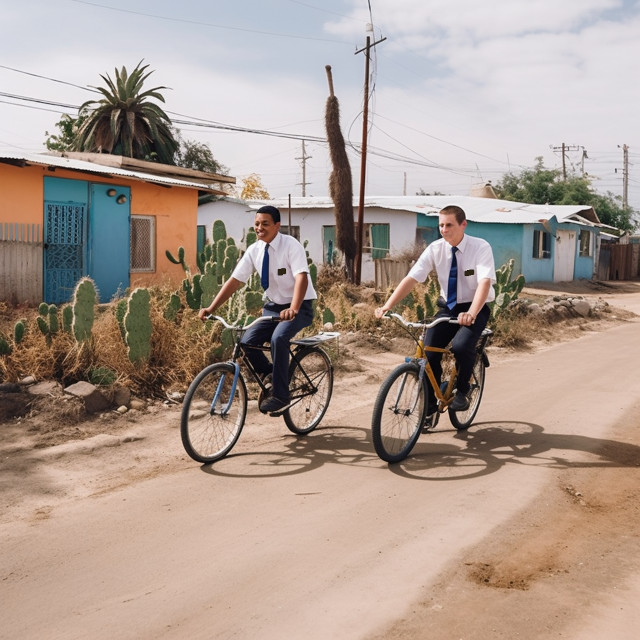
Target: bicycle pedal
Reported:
point(430, 422)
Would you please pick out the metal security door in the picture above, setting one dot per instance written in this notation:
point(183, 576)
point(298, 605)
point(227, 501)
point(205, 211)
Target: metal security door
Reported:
point(64, 241)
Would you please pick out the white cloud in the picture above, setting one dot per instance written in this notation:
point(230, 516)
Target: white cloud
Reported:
point(474, 88)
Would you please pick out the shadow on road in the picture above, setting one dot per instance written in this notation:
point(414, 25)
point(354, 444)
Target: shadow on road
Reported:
point(484, 449)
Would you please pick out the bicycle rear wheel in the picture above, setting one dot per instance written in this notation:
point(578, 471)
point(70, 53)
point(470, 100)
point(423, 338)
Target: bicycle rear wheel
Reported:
point(462, 420)
point(209, 431)
point(310, 386)
point(399, 412)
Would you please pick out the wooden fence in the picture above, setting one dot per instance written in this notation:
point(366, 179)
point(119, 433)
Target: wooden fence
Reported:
point(21, 266)
point(389, 272)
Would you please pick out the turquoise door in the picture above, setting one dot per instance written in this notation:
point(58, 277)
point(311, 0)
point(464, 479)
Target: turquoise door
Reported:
point(86, 231)
point(109, 239)
point(65, 237)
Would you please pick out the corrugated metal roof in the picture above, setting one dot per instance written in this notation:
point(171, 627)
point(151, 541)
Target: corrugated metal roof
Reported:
point(43, 159)
point(476, 209)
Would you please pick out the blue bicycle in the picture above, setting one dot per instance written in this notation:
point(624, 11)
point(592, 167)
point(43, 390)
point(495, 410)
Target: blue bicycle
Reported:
point(215, 405)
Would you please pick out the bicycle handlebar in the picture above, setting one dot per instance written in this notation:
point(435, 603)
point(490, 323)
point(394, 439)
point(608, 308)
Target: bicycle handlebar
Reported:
point(238, 327)
point(419, 325)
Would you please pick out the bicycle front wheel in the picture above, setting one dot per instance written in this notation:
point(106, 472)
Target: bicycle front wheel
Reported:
point(462, 420)
point(398, 413)
point(310, 386)
point(212, 419)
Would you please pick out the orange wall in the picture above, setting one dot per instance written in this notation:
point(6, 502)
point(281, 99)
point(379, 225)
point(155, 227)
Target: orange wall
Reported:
point(175, 209)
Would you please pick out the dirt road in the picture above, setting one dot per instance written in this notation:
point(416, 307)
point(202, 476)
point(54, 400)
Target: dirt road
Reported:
point(525, 527)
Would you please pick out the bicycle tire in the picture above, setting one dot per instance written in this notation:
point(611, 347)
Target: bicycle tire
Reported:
point(207, 435)
point(310, 393)
point(399, 413)
point(462, 420)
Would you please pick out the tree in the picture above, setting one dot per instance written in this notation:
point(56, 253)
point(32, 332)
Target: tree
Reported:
point(541, 185)
point(253, 189)
point(198, 156)
point(68, 130)
point(125, 122)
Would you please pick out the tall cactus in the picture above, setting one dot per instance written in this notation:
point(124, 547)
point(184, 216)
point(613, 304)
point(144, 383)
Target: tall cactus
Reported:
point(138, 327)
point(84, 301)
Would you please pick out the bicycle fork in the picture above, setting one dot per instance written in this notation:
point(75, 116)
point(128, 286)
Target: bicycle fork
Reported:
point(216, 396)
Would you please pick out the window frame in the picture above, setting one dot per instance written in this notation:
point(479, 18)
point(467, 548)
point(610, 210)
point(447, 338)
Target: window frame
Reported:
point(151, 267)
point(585, 248)
point(540, 239)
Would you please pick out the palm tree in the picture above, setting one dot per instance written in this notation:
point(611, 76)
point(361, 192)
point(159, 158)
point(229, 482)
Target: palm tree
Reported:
point(124, 122)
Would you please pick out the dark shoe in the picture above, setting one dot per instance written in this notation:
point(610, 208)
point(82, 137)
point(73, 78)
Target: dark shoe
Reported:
point(263, 394)
point(460, 402)
point(430, 422)
point(273, 405)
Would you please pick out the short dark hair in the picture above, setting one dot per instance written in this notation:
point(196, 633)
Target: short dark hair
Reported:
point(455, 210)
point(272, 211)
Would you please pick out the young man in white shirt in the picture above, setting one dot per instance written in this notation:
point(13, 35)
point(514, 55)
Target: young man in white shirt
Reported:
point(288, 294)
point(465, 290)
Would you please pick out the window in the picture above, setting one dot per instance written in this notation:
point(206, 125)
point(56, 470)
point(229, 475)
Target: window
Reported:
point(294, 230)
point(585, 243)
point(329, 248)
point(375, 239)
point(541, 244)
point(143, 243)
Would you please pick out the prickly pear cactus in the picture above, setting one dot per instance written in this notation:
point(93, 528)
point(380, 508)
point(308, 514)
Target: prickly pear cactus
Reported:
point(138, 327)
point(173, 308)
point(47, 321)
point(179, 260)
point(507, 290)
point(84, 301)
point(67, 319)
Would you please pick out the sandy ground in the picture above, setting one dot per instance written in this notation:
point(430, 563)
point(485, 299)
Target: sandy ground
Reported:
point(562, 562)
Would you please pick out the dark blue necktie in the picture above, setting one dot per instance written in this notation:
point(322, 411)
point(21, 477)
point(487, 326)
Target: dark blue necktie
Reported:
point(452, 290)
point(264, 277)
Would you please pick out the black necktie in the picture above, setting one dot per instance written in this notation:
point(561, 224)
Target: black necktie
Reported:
point(264, 277)
point(452, 290)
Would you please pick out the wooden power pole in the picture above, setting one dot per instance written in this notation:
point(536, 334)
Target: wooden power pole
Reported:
point(363, 160)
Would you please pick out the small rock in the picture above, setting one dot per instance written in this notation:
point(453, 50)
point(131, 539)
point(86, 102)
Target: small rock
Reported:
point(122, 409)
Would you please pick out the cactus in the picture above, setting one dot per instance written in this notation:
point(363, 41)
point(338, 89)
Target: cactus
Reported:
point(507, 290)
point(179, 260)
point(47, 321)
point(84, 300)
point(173, 308)
point(67, 319)
point(138, 327)
point(19, 329)
point(218, 231)
point(328, 316)
point(121, 312)
point(5, 346)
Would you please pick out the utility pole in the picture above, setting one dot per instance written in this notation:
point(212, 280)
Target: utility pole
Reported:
point(625, 176)
point(564, 148)
point(363, 161)
point(303, 160)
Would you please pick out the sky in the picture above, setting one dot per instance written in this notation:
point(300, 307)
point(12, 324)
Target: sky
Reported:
point(460, 91)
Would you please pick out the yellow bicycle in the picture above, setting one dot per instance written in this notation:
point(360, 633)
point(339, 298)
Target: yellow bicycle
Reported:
point(400, 409)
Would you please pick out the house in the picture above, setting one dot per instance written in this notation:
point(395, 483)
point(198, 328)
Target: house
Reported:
point(549, 243)
point(107, 217)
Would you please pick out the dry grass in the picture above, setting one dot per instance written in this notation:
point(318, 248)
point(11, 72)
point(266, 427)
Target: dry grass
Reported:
point(181, 348)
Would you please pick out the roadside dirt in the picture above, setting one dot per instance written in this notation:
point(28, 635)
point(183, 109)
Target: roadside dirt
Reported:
point(51, 454)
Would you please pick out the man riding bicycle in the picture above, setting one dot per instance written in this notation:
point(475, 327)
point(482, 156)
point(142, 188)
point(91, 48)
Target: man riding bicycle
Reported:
point(466, 273)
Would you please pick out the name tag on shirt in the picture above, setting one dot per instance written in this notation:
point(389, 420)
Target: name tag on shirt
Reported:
point(469, 272)
point(282, 271)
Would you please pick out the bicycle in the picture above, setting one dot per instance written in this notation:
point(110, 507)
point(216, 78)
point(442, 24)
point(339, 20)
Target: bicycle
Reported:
point(400, 409)
point(215, 405)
